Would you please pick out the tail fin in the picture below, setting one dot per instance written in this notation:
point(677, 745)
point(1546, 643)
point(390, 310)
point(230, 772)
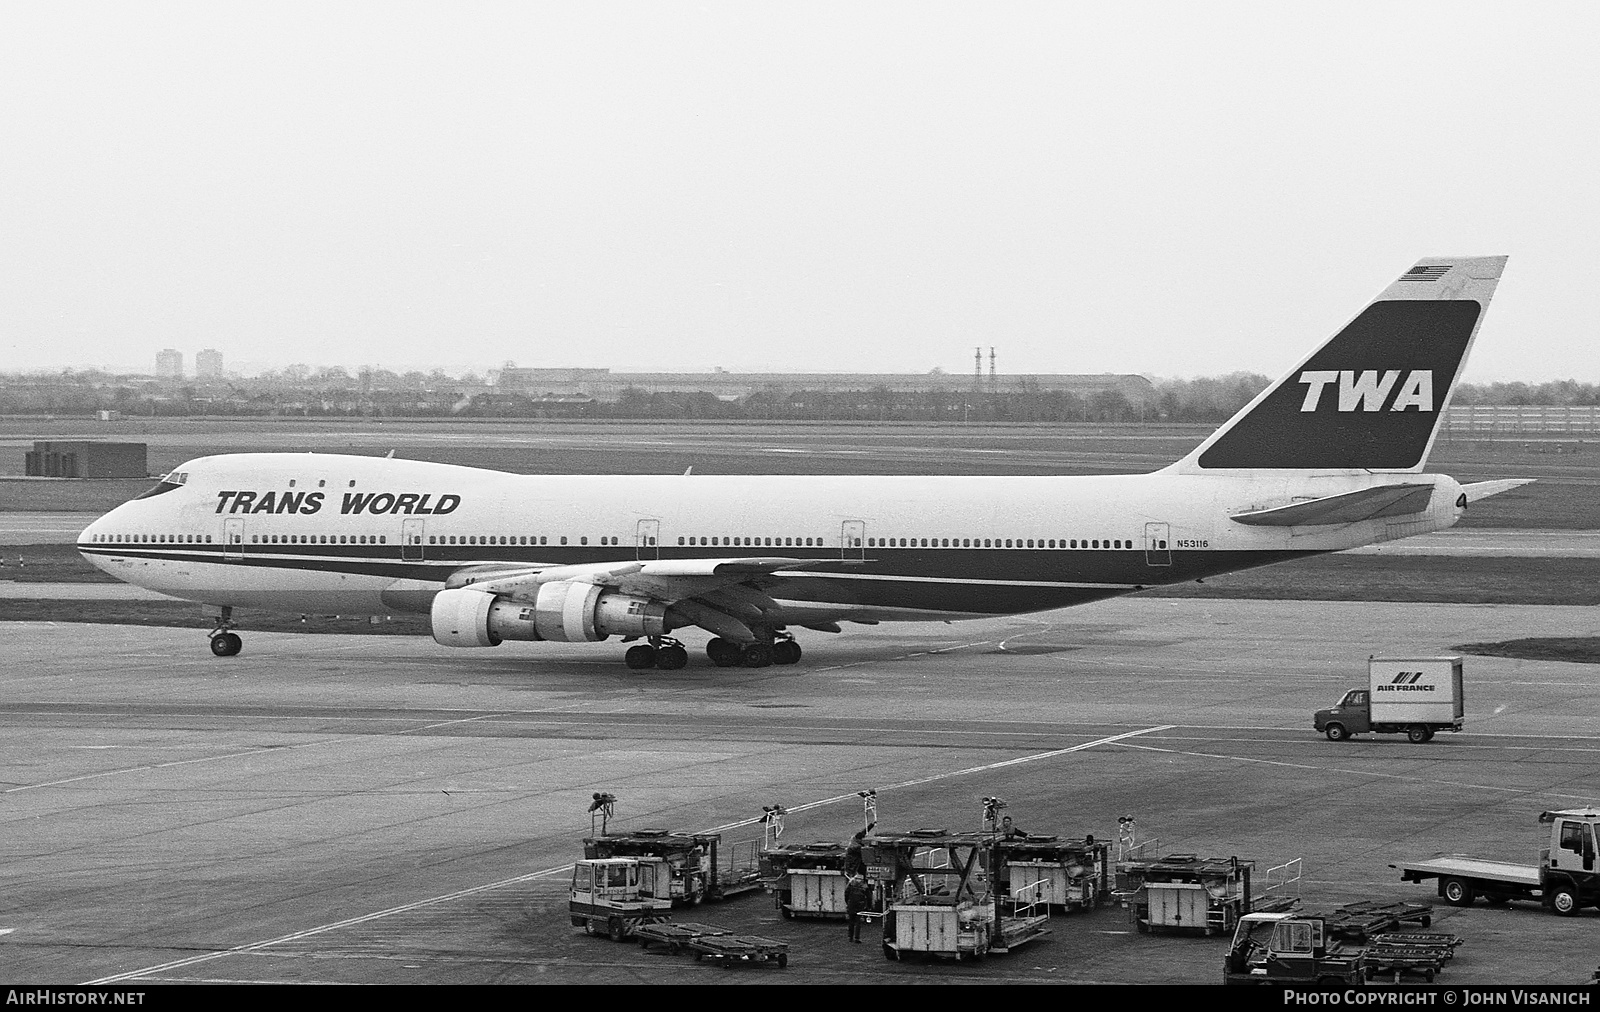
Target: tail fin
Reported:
point(1370, 398)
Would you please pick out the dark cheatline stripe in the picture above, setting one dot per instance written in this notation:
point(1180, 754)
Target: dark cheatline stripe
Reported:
point(920, 579)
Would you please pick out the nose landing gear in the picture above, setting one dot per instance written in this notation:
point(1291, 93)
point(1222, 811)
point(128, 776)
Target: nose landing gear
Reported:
point(224, 642)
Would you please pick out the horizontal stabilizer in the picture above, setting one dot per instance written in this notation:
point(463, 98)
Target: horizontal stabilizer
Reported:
point(1348, 508)
point(1484, 489)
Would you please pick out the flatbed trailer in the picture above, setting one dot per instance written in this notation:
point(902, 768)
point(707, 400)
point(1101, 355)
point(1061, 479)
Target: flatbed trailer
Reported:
point(675, 936)
point(1403, 957)
point(732, 950)
point(1463, 879)
point(1359, 922)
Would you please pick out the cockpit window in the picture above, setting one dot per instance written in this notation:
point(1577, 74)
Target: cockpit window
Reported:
point(169, 483)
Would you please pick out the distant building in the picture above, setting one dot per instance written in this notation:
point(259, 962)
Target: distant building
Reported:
point(208, 364)
point(169, 364)
point(83, 458)
point(605, 385)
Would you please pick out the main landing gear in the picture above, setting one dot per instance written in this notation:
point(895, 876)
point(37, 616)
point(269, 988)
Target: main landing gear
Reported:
point(727, 654)
point(225, 642)
point(662, 652)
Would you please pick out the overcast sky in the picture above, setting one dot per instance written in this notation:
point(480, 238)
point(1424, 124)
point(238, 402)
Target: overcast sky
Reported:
point(1176, 189)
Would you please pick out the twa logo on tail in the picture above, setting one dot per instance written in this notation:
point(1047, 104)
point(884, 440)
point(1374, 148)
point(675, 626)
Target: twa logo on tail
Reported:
point(1371, 398)
point(1367, 391)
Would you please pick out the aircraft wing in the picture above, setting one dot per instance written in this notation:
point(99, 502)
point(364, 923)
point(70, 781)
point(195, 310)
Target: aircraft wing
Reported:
point(1345, 508)
point(667, 580)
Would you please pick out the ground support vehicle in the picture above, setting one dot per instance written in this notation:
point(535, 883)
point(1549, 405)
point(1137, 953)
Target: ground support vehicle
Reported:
point(805, 880)
point(732, 950)
point(1070, 874)
point(939, 897)
point(702, 866)
point(1414, 696)
point(1564, 881)
point(1186, 892)
point(615, 896)
point(1287, 948)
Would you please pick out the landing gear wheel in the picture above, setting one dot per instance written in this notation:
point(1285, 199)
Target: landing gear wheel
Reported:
point(723, 653)
point(640, 657)
point(785, 652)
point(226, 644)
point(1457, 892)
point(1565, 902)
point(783, 960)
point(671, 658)
point(757, 655)
point(1419, 735)
point(1336, 732)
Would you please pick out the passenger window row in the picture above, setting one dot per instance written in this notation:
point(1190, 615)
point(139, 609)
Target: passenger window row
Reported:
point(1113, 543)
point(753, 542)
point(511, 539)
point(319, 539)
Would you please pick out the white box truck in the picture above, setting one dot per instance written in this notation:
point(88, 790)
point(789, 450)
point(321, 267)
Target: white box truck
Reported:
point(1414, 696)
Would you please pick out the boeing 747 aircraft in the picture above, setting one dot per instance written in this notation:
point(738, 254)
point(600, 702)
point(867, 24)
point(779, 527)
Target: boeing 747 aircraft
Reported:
point(1329, 457)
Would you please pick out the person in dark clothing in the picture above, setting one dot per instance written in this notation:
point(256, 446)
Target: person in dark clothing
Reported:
point(856, 899)
point(854, 864)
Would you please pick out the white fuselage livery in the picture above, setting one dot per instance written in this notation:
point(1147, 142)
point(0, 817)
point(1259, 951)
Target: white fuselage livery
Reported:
point(880, 548)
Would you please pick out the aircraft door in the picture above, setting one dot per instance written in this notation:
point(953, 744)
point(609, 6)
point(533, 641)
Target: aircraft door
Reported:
point(233, 540)
point(411, 530)
point(649, 540)
point(853, 539)
point(1157, 545)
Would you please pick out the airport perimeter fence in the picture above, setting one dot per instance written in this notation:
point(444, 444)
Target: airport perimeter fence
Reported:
point(1515, 421)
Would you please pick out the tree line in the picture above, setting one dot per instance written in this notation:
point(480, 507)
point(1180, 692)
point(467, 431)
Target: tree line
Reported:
point(335, 393)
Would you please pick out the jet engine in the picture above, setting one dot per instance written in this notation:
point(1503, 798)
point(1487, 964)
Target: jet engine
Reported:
point(566, 612)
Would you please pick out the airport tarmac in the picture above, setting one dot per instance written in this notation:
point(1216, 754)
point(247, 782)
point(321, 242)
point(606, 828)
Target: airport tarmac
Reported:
point(381, 809)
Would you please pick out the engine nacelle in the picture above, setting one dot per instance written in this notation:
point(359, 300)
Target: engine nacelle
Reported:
point(565, 612)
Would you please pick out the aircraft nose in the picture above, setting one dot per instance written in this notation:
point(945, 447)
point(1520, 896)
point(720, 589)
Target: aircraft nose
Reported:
point(92, 534)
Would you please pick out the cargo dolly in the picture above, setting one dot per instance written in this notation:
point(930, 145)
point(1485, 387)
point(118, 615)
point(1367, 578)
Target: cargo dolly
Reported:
point(1286, 948)
point(1404, 956)
point(675, 936)
point(731, 950)
point(1358, 922)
